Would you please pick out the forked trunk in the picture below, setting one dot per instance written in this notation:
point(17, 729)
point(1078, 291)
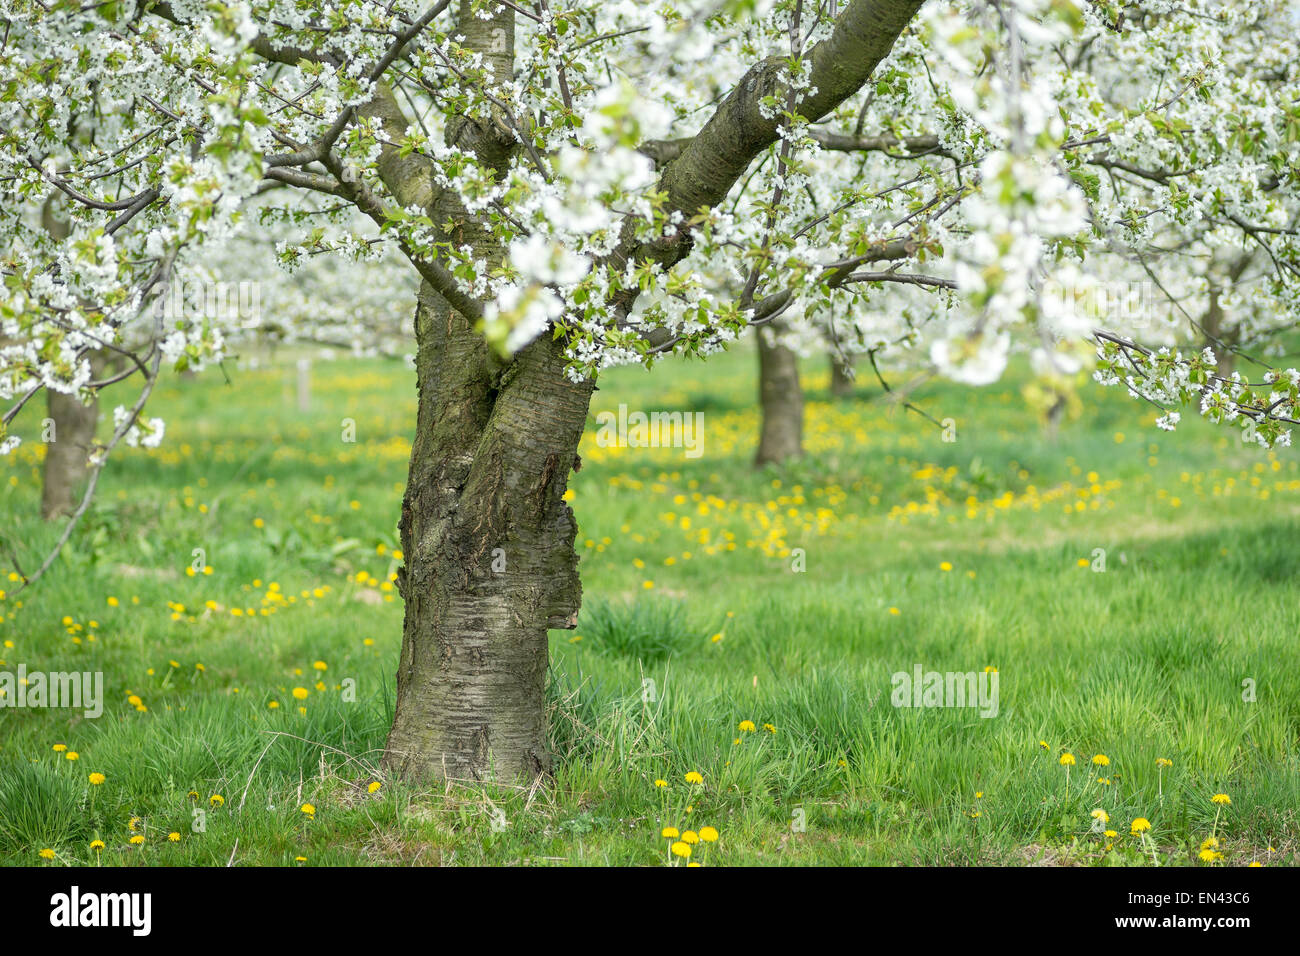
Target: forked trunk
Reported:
point(490, 562)
point(781, 399)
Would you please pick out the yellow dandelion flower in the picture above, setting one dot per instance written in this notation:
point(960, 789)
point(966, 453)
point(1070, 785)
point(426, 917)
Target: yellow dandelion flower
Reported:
point(1101, 760)
point(708, 834)
point(1140, 825)
point(681, 849)
point(747, 726)
point(96, 779)
point(669, 833)
point(694, 777)
point(1067, 760)
point(1222, 799)
point(46, 854)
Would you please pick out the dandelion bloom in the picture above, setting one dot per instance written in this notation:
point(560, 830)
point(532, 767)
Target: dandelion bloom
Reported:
point(770, 728)
point(747, 726)
point(1043, 744)
point(97, 778)
point(1209, 856)
point(682, 849)
point(300, 859)
point(1067, 760)
point(216, 800)
point(1101, 760)
point(691, 837)
point(1211, 843)
point(694, 777)
point(59, 748)
point(374, 786)
point(174, 837)
point(137, 840)
point(1101, 815)
point(669, 833)
point(97, 845)
point(1164, 762)
point(1111, 834)
point(661, 783)
point(945, 566)
point(708, 834)
point(309, 809)
point(1221, 798)
point(72, 755)
point(300, 693)
point(1140, 825)
point(47, 854)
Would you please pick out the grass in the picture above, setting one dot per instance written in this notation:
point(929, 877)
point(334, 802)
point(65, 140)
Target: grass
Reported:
point(694, 621)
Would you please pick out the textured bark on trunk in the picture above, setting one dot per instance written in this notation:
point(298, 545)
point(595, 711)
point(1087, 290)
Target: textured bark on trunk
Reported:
point(841, 376)
point(487, 536)
point(781, 399)
point(66, 468)
point(490, 562)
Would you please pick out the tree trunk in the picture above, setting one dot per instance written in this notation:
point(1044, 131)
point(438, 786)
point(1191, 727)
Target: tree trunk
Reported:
point(781, 400)
point(841, 376)
point(487, 536)
point(66, 451)
point(490, 562)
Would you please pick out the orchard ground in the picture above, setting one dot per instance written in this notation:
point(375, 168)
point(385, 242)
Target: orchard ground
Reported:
point(264, 681)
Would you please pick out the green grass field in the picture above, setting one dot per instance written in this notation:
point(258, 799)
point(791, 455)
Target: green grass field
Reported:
point(267, 681)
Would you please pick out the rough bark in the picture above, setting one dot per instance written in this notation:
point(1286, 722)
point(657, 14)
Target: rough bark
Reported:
point(490, 562)
point(487, 536)
point(781, 399)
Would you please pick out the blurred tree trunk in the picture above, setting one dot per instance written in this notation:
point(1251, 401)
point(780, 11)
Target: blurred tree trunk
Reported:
point(69, 434)
point(841, 376)
point(69, 429)
point(780, 399)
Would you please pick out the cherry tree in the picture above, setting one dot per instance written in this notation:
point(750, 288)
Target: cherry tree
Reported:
point(578, 185)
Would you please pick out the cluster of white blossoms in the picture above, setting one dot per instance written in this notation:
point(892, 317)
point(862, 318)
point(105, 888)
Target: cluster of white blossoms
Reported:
point(1003, 181)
